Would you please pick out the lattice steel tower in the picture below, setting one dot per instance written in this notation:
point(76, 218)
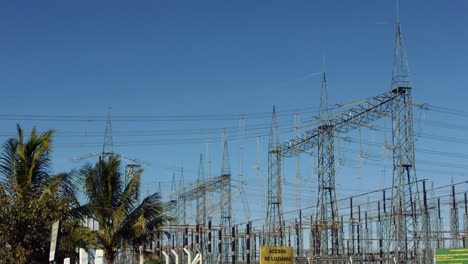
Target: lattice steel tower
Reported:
point(225, 204)
point(274, 220)
point(327, 224)
point(182, 200)
point(406, 207)
point(201, 199)
point(108, 146)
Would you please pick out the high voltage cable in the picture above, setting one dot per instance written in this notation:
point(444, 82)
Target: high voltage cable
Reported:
point(432, 163)
point(173, 118)
point(422, 150)
point(187, 131)
point(170, 132)
point(447, 110)
point(141, 118)
point(256, 130)
point(265, 132)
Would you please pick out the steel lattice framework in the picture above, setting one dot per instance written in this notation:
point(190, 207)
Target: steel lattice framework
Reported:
point(274, 221)
point(225, 203)
point(108, 146)
point(201, 198)
point(396, 104)
point(365, 112)
point(405, 204)
point(406, 208)
point(327, 223)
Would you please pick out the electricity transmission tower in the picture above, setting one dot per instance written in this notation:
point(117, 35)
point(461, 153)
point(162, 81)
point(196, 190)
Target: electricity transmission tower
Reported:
point(395, 103)
point(201, 198)
point(182, 203)
point(225, 204)
point(405, 195)
point(108, 146)
point(327, 224)
point(274, 221)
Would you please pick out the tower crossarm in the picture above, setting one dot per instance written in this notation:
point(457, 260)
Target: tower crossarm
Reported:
point(194, 191)
point(348, 119)
point(210, 185)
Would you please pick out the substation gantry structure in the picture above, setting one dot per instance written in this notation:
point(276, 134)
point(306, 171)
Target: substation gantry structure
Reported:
point(403, 234)
point(198, 192)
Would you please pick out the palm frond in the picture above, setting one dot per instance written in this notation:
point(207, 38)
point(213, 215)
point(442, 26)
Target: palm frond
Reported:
point(129, 197)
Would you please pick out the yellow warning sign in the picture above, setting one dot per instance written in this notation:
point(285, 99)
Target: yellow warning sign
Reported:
point(276, 255)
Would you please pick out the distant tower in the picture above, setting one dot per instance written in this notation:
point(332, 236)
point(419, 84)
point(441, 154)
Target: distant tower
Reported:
point(182, 204)
point(108, 146)
point(405, 201)
point(225, 204)
point(241, 179)
point(454, 221)
point(174, 212)
point(274, 222)
point(201, 199)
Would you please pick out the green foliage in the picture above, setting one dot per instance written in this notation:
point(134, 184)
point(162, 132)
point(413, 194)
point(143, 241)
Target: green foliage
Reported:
point(123, 219)
point(31, 199)
point(152, 261)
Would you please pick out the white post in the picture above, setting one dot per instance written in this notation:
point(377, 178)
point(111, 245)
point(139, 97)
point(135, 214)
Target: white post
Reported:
point(176, 256)
point(66, 261)
point(166, 257)
point(201, 256)
point(196, 259)
point(83, 256)
point(99, 258)
point(142, 258)
point(189, 256)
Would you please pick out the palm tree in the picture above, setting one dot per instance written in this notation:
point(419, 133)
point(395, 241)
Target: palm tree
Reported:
point(31, 198)
point(123, 219)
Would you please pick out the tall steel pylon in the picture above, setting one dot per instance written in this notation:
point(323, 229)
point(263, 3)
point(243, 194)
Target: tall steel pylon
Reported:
point(327, 229)
point(404, 216)
point(405, 201)
point(201, 199)
point(174, 209)
point(454, 220)
point(225, 204)
point(274, 221)
point(182, 203)
point(327, 224)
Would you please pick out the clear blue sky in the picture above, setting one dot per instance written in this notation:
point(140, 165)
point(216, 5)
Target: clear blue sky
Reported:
point(154, 63)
